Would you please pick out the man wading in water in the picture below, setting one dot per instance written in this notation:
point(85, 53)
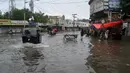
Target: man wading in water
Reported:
point(82, 34)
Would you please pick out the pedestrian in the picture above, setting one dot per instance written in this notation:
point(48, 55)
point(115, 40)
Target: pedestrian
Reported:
point(106, 34)
point(49, 29)
point(123, 31)
point(87, 32)
point(82, 34)
point(101, 34)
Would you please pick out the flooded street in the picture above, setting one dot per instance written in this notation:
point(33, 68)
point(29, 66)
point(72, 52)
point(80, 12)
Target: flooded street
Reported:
point(110, 56)
point(56, 56)
point(52, 56)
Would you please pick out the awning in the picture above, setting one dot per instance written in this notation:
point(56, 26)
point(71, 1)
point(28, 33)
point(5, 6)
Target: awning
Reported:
point(107, 25)
point(98, 26)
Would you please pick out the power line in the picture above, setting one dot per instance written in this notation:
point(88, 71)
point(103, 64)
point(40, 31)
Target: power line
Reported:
point(37, 8)
point(54, 2)
point(50, 6)
point(3, 1)
point(64, 2)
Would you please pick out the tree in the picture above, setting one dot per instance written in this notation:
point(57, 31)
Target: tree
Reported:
point(18, 14)
point(40, 17)
point(28, 13)
point(1, 16)
point(6, 15)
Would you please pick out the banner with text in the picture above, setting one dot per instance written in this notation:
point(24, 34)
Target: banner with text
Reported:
point(114, 5)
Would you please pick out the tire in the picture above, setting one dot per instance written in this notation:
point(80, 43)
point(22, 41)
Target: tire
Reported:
point(24, 39)
point(35, 40)
point(38, 39)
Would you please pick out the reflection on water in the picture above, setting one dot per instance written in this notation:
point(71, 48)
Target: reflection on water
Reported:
point(32, 59)
point(107, 56)
point(60, 57)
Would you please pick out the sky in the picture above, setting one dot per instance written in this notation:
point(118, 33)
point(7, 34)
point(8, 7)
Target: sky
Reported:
point(54, 7)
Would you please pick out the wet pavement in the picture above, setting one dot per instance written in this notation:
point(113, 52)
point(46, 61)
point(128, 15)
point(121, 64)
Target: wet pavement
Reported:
point(52, 56)
point(110, 56)
point(57, 56)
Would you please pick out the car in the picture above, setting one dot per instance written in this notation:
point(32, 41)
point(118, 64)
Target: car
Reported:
point(31, 35)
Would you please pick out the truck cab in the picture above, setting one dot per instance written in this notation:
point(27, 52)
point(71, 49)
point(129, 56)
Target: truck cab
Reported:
point(31, 35)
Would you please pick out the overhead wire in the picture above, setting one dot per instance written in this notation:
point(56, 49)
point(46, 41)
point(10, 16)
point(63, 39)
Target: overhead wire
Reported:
point(3, 1)
point(37, 8)
point(69, 2)
point(50, 6)
point(57, 10)
point(74, 2)
point(54, 2)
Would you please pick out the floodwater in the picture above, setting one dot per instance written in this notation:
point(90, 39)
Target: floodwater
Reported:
point(110, 56)
point(54, 55)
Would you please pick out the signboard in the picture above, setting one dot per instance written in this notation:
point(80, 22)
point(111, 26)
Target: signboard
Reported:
point(96, 6)
point(5, 22)
point(19, 22)
point(114, 5)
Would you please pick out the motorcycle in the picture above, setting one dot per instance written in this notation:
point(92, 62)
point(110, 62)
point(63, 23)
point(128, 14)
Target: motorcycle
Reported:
point(53, 32)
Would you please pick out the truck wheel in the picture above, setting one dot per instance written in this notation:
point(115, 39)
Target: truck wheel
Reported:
point(24, 39)
point(39, 39)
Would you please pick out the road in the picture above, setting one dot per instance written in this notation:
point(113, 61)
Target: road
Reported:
point(56, 56)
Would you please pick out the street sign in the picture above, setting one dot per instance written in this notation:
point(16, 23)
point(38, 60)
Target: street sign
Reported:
point(114, 5)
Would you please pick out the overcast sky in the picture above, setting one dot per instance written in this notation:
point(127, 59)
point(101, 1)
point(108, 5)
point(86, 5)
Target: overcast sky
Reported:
point(68, 7)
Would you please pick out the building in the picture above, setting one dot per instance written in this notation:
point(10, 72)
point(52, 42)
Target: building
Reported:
point(7, 26)
point(59, 20)
point(78, 23)
point(107, 10)
point(68, 23)
point(19, 22)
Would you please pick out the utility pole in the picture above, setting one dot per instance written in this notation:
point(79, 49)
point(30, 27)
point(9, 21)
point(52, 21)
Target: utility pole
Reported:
point(74, 16)
point(31, 4)
point(11, 8)
point(24, 12)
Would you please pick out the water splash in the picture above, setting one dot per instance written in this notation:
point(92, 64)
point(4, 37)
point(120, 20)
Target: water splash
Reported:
point(28, 45)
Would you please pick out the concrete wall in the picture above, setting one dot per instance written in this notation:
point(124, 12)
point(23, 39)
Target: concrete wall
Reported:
point(56, 20)
point(98, 5)
point(13, 29)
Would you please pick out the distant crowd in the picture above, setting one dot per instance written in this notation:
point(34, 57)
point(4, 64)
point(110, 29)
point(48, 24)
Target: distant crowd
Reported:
point(104, 34)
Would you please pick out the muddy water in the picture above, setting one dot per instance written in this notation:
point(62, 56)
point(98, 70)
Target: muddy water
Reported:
point(67, 57)
point(110, 56)
point(58, 57)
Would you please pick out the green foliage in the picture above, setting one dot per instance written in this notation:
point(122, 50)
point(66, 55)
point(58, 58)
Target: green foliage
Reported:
point(40, 17)
point(6, 15)
point(1, 16)
point(18, 14)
